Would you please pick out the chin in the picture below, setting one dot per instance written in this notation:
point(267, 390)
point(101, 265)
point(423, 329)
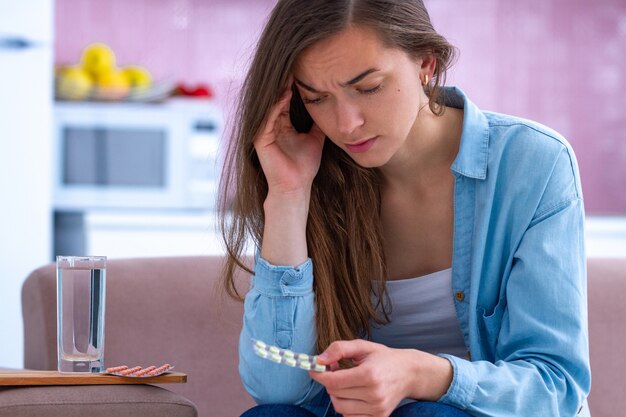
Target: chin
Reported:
point(374, 160)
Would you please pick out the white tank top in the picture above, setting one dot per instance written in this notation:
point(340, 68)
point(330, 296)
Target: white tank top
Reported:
point(422, 316)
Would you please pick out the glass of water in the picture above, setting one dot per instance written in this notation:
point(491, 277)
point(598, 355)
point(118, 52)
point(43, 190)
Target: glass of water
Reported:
point(80, 313)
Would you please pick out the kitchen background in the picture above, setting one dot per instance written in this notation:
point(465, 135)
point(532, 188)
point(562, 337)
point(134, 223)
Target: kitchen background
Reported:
point(560, 62)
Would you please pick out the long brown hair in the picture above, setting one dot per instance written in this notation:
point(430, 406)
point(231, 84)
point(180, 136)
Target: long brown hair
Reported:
point(343, 232)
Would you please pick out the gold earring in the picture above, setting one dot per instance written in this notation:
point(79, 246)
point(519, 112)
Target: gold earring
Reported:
point(425, 79)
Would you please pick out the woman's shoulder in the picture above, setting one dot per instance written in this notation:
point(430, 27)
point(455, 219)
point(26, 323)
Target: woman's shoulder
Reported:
point(514, 130)
point(528, 143)
point(523, 149)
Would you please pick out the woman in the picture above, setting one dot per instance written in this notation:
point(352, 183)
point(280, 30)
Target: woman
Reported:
point(435, 251)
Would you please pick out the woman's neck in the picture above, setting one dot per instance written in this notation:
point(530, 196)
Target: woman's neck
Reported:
point(429, 151)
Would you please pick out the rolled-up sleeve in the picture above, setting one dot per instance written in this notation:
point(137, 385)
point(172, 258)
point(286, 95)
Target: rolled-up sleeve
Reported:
point(279, 310)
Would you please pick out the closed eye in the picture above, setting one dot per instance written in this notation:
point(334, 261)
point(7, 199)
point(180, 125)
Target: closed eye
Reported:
point(371, 90)
point(312, 100)
point(318, 100)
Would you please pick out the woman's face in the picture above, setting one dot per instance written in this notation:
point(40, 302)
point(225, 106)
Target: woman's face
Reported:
point(364, 96)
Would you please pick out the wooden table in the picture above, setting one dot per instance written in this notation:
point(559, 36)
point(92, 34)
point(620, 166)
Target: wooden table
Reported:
point(31, 378)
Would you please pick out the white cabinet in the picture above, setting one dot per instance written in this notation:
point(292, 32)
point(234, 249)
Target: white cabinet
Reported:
point(26, 70)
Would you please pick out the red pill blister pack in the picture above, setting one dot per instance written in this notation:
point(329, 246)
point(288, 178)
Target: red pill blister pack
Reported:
point(138, 371)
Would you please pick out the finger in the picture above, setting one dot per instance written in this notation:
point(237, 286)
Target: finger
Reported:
point(284, 100)
point(360, 393)
point(285, 96)
point(290, 80)
point(350, 407)
point(346, 349)
point(269, 126)
point(280, 107)
point(342, 379)
point(334, 366)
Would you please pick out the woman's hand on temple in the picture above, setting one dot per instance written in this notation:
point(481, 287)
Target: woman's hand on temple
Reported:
point(381, 377)
point(290, 160)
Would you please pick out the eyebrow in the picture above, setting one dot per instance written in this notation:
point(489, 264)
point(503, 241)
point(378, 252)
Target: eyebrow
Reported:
point(346, 84)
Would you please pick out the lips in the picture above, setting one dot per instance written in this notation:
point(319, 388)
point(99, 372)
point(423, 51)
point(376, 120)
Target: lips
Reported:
point(361, 146)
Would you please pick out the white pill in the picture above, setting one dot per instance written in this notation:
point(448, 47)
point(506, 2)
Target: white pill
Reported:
point(320, 368)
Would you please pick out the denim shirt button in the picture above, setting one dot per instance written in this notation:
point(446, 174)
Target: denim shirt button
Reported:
point(459, 295)
point(290, 277)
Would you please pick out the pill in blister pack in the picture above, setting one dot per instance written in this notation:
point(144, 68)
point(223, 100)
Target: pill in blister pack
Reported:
point(138, 371)
point(287, 357)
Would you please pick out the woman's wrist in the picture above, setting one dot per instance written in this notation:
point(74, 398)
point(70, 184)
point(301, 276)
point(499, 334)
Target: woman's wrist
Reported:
point(431, 376)
point(284, 234)
point(297, 199)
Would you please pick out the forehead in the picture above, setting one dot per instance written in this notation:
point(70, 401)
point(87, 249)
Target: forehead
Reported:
point(353, 49)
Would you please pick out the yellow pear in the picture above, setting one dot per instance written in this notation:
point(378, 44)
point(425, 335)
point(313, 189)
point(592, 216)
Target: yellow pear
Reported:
point(139, 77)
point(73, 83)
point(113, 84)
point(97, 59)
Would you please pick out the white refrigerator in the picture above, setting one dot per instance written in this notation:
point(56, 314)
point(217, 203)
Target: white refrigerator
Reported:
point(26, 95)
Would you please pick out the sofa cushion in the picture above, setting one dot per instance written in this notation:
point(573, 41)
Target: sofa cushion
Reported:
point(607, 336)
point(93, 400)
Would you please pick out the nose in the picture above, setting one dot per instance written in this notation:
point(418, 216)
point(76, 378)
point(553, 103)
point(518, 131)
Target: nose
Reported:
point(349, 117)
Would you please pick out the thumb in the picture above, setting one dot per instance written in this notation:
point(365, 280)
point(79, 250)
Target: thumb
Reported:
point(345, 349)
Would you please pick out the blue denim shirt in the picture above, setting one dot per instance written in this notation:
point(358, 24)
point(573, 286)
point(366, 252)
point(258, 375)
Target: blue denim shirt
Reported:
point(518, 283)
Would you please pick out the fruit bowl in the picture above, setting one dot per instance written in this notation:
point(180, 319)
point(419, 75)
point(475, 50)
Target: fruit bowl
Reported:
point(98, 78)
point(157, 91)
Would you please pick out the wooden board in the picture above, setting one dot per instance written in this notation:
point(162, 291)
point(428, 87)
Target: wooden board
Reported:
point(57, 378)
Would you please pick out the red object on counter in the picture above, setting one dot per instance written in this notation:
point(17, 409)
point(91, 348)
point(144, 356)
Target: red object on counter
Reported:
point(200, 90)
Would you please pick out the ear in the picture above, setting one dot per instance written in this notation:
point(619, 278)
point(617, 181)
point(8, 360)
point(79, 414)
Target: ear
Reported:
point(428, 65)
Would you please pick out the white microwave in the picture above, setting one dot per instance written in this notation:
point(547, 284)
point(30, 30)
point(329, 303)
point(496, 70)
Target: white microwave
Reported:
point(136, 155)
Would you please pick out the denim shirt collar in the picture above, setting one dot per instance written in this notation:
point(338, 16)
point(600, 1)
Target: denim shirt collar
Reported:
point(471, 161)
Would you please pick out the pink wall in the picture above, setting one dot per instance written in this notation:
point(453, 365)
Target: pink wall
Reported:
point(560, 62)
point(177, 40)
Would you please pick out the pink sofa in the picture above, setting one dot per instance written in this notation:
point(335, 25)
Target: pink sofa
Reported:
point(170, 310)
point(606, 287)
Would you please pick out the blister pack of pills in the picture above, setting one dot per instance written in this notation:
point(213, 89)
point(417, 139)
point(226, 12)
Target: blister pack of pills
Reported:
point(138, 371)
point(287, 357)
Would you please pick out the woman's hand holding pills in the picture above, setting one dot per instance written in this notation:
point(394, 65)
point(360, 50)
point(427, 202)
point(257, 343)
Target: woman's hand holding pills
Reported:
point(381, 377)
